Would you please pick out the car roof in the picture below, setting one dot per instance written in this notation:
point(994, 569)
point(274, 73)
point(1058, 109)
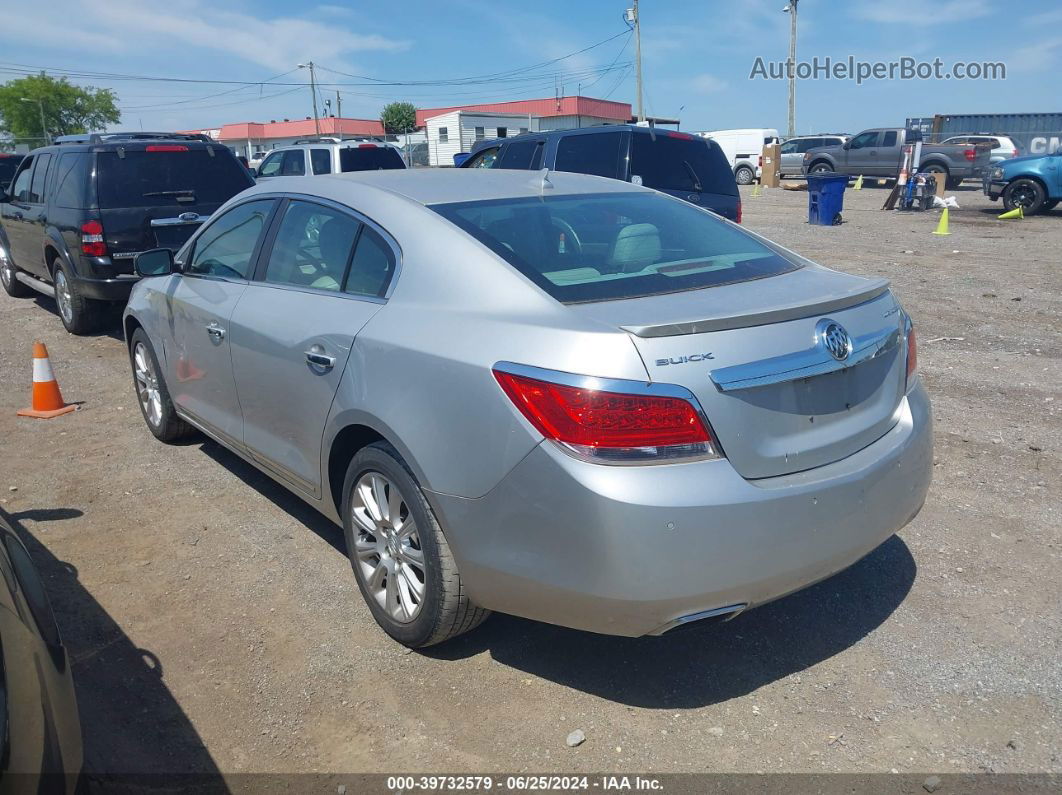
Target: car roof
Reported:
point(448, 185)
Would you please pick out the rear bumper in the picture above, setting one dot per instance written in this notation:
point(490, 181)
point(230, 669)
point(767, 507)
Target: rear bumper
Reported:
point(628, 550)
point(112, 289)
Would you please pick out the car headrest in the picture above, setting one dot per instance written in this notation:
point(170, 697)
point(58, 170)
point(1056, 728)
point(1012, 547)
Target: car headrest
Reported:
point(636, 246)
point(334, 239)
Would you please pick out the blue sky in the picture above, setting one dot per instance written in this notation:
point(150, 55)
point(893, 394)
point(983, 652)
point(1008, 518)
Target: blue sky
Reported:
point(697, 55)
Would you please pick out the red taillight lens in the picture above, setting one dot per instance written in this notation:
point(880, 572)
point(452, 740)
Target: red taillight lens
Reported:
point(165, 148)
point(912, 353)
point(739, 213)
point(682, 135)
point(1014, 153)
point(610, 426)
point(92, 244)
point(367, 146)
point(971, 154)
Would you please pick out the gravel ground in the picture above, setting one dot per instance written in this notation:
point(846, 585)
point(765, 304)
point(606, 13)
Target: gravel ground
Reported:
point(215, 625)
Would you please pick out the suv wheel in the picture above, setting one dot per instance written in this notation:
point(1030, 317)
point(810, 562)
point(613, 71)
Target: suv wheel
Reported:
point(403, 565)
point(12, 286)
point(821, 167)
point(744, 175)
point(79, 314)
point(152, 394)
point(1025, 193)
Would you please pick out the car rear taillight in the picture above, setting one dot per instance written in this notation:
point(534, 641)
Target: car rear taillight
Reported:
point(1014, 153)
point(970, 154)
point(608, 426)
point(367, 146)
point(738, 219)
point(682, 135)
point(165, 148)
point(912, 353)
point(92, 244)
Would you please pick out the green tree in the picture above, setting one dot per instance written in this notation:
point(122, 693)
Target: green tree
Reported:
point(68, 109)
point(398, 117)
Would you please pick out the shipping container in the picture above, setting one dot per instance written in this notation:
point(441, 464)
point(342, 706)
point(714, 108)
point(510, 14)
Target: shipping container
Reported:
point(1033, 133)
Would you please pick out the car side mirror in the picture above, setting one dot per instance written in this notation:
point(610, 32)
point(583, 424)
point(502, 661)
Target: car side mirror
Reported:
point(254, 172)
point(846, 145)
point(156, 262)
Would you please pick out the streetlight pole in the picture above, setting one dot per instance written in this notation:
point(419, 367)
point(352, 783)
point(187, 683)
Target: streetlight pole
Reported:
point(638, 58)
point(791, 9)
point(44, 127)
point(313, 91)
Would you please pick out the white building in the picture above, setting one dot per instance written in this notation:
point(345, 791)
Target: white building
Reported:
point(456, 131)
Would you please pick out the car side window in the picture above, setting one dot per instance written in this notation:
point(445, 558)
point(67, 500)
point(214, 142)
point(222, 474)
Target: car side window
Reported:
point(226, 246)
point(789, 147)
point(294, 164)
point(536, 159)
point(270, 167)
point(312, 247)
point(518, 155)
point(865, 140)
point(889, 139)
point(321, 161)
point(372, 267)
point(20, 187)
point(484, 159)
point(40, 174)
point(594, 153)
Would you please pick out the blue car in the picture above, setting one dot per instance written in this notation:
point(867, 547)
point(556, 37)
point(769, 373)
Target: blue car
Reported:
point(1033, 182)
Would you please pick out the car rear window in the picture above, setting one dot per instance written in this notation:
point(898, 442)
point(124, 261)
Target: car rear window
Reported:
point(685, 163)
point(370, 158)
point(144, 178)
point(609, 246)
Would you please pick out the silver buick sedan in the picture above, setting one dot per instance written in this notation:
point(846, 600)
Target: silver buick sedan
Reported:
point(553, 395)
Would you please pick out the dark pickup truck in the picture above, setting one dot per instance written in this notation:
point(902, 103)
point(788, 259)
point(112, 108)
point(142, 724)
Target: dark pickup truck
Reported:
point(878, 152)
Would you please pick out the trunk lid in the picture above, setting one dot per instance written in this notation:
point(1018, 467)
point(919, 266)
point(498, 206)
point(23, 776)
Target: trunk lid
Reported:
point(755, 355)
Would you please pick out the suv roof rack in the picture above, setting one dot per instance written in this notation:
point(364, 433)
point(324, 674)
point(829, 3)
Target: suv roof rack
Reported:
point(99, 138)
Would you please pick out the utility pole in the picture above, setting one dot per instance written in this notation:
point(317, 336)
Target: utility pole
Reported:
point(339, 106)
point(313, 90)
point(791, 9)
point(634, 16)
point(44, 126)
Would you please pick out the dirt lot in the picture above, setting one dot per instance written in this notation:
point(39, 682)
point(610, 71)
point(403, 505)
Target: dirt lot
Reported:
point(215, 625)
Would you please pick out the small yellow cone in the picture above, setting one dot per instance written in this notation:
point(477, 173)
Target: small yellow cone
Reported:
point(942, 227)
point(756, 191)
point(858, 183)
point(1016, 213)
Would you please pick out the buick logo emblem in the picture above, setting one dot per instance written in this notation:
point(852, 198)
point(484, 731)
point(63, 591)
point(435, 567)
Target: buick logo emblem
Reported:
point(834, 339)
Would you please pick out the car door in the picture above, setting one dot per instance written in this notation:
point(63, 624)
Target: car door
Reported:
point(22, 215)
point(861, 157)
point(323, 274)
point(199, 305)
point(792, 156)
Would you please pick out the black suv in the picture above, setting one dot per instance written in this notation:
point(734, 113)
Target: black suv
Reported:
point(78, 212)
point(686, 166)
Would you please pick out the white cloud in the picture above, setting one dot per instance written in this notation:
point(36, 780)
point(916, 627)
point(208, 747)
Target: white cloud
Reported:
point(277, 43)
point(707, 84)
point(922, 12)
point(1035, 56)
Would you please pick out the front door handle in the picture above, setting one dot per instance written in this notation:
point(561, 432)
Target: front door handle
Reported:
point(318, 358)
point(216, 331)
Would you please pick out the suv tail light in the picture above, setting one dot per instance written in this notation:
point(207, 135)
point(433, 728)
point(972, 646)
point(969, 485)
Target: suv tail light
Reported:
point(912, 352)
point(970, 154)
point(92, 244)
point(1014, 153)
point(166, 148)
point(739, 211)
point(610, 427)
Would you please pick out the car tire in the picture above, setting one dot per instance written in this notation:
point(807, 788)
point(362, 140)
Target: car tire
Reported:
point(744, 175)
point(953, 183)
point(822, 167)
point(80, 315)
point(152, 394)
point(938, 171)
point(12, 286)
point(1050, 204)
point(1025, 193)
point(391, 559)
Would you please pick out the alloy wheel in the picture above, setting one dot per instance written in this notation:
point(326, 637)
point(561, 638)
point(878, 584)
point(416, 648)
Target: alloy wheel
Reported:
point(387, 547)
point(1023, 196)
point(147, 384)
point(63, 297)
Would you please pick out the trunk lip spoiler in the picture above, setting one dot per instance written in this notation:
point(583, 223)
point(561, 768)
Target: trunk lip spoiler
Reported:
point(776, 314)
point(806, 363)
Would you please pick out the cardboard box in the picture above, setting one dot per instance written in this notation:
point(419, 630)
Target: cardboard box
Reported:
point(769, 169)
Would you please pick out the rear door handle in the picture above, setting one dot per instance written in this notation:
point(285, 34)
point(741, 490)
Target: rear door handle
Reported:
point(216, 331)
point(316, 357)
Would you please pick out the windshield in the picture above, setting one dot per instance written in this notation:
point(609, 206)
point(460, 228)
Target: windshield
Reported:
point(370, 158)
point(146, 178)
point(684, 163)
point(607, 246)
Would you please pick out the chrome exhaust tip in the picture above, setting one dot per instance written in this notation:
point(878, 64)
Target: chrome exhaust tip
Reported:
point(719, 614)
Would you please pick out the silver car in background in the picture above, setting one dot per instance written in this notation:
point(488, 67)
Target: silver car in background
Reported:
point(559, 396)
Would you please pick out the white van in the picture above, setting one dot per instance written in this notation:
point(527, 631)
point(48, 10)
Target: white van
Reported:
point(744, 150)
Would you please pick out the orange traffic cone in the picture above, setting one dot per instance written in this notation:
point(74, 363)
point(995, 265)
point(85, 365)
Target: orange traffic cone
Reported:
point(47, 399)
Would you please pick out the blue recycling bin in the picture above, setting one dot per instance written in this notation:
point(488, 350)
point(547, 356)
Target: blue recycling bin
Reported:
point(826, 198)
